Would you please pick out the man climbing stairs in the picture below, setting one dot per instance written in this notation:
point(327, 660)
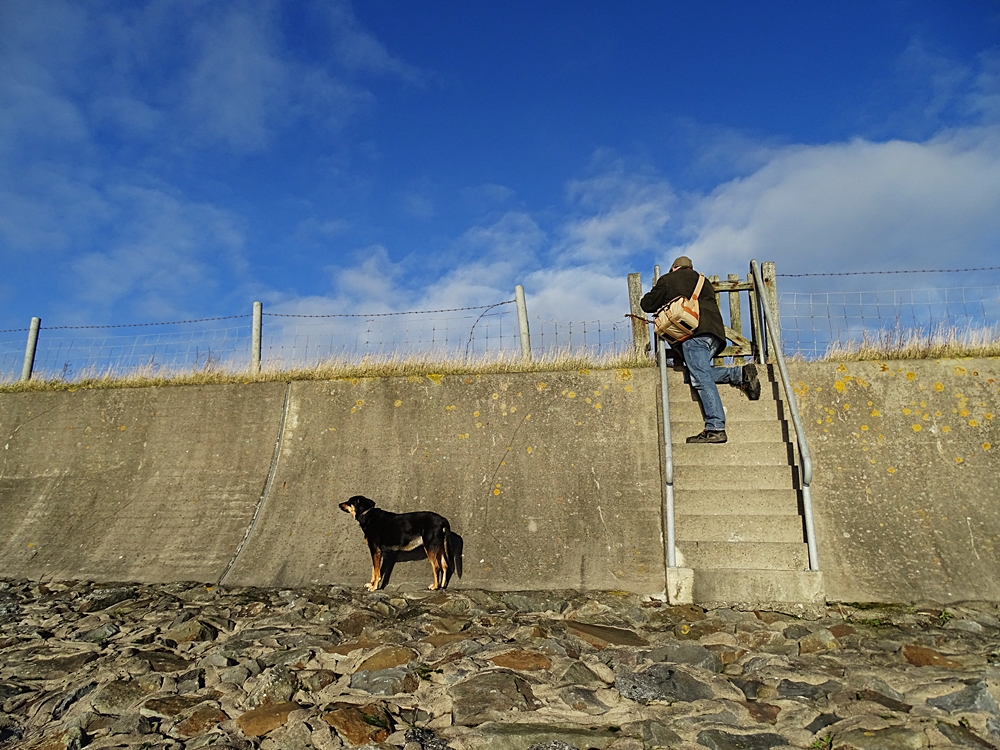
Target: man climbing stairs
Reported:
point(738, 516)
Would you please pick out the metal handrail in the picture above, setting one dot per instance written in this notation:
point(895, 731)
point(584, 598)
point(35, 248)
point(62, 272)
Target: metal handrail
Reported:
point(800, 434)
point(668, 454)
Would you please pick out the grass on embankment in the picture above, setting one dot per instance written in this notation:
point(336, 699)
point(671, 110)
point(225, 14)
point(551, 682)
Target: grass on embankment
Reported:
point(946, 343)
point(369, 367)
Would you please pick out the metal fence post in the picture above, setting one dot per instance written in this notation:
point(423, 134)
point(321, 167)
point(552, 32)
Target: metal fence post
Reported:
point(29, 350)
point(769, 277)
point(640, 329)
point(522, 322)
point(258, 314)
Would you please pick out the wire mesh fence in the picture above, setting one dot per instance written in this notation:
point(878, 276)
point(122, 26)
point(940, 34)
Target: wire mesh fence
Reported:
point(76, 352)
point(593, 338)
point(291, 340)
point(813, 322)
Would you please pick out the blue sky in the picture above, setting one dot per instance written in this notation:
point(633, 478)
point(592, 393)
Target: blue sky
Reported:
point(165, 159)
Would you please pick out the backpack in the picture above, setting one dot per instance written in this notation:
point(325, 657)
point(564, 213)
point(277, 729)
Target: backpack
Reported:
point(678, 319)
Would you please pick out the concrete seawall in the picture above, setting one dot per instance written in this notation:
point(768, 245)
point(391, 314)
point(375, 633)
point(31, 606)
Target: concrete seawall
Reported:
point(552, 480)
point(907, 477)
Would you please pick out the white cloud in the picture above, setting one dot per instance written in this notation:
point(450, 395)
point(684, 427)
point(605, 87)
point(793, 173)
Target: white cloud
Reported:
point(858, 205)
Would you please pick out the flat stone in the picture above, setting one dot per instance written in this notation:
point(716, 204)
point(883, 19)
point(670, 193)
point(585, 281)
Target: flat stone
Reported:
point(661, 683)
point(274, 685)
point(688, 653)
point(534, 601)
point(476, 698)
point(581, 699)
point(792, 689)
point(444, 638)
point(54, 669)
point(818, 641)
point(360, 725)
point(821, 722)
point(579, 674)
point(316, 679)
point(386, 659)
point(344, 649)
point(166, 661)
point(201, 720)
point(891, 738)
point(259, 721)
point(693, 631)
point(103, 598)
point(602, 636)
point(975, 697)
point(963, 736)
point(64, 739)
point(191, 631)
point(749, 687)
point(386, 681)
point(132, 723)
point(920, 656)
point(101, 633)
point(764, 713)
point(169, 706)
point(883, 700)
point(295, 658)
point(507, 736)
point(523, 661)
point(716, 739)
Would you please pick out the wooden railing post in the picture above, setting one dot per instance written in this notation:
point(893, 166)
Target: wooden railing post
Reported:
point(769, 277)
point(640, 329)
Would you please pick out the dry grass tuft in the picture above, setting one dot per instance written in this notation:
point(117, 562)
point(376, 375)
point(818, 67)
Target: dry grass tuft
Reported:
point(943, 343)
point(335, 369)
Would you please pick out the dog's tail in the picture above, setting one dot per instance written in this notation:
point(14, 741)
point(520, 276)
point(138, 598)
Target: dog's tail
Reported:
point(454, 560)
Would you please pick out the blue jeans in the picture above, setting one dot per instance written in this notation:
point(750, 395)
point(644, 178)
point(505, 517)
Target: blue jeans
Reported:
point(698, 354)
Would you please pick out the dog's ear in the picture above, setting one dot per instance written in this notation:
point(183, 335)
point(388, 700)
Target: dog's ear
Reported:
point(361, 503)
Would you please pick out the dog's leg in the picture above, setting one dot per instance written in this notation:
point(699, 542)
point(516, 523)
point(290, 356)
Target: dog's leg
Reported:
point(445, 560)
point(376, 578)
point(434, 556)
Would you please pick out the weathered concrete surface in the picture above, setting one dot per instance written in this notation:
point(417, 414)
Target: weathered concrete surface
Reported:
point(906, 486)
point(150, 484)
point(552, 479)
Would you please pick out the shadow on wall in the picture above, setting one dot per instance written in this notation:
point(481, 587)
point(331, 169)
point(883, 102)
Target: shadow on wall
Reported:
point(390, 559)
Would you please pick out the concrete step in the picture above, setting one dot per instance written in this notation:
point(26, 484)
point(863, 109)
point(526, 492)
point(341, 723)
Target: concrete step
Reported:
point(717, 477)
point(738, 431)
point(757, 586)
point(736, 502)
point(758, 556)
point(735, 405)
point(733, 454)
point(744, 528)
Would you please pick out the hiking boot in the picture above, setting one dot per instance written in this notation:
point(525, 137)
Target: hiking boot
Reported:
point(751, 384)
point(709, 436)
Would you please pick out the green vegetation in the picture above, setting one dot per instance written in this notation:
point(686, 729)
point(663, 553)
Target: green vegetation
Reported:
point(369, 367)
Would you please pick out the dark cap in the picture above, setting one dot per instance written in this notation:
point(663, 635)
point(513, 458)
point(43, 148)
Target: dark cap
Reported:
point(682, 262)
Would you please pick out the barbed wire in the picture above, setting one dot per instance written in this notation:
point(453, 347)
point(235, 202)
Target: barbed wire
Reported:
point(883, 273)
point(387, 315)
point(134, 325)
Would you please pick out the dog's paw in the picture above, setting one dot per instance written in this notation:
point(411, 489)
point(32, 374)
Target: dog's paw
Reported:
point(370, 586)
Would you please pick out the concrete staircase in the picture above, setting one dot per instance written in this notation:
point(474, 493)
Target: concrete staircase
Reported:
point(738, 519)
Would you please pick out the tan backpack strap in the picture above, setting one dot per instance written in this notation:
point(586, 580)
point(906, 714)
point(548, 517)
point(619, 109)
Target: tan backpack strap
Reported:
point(697, 289)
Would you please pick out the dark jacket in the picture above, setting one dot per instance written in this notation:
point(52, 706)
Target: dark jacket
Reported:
point(681, 283)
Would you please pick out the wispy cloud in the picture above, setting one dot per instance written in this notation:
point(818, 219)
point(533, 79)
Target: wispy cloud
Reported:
point(166, 254)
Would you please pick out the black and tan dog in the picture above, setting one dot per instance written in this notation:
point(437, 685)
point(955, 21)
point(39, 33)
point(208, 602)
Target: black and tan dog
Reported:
point(388, 533)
